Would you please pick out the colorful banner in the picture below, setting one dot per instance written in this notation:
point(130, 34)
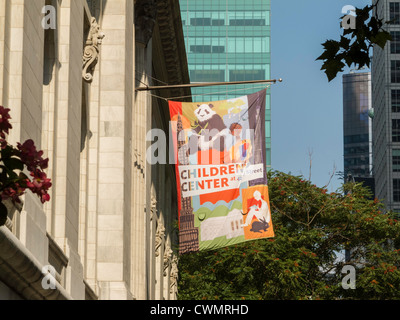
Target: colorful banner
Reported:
point(221, 172)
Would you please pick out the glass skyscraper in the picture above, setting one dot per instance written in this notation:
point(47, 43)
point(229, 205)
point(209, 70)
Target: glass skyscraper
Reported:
point(357, 128)
point(357, 125)
point(228, 40)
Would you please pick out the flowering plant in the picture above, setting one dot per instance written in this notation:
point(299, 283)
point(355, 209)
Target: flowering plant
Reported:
point(13, 162)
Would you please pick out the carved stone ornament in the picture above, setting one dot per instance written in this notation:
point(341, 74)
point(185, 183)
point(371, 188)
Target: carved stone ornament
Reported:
point(153, 209)
point(173, 276)
point(91, 52)
point(159, 238)
point(167, 259)
point(138, 162)
point(145, 20)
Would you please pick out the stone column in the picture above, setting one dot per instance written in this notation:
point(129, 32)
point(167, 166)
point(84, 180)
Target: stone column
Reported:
point(66, 177)
point(93, 176)
point(2, 38)
point(142, 250)
point(50, 99)
point(114, 175)
point(21, 47)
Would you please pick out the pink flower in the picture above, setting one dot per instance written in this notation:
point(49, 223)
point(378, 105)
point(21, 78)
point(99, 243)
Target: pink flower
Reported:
point(12, 186)
point(3, 143)
point(4, 121)
point(13, 193)
point(31, 157)
point(39, 185)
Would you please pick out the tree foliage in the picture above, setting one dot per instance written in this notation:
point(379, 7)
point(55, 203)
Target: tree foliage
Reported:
point(302, 262)
point(355, 44)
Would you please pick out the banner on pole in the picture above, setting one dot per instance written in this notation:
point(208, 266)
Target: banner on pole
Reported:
point(220, 159)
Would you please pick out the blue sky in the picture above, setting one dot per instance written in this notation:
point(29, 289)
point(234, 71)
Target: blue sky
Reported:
point(307, 110)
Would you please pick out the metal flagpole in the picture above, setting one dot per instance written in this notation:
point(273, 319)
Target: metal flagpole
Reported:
point(204, 84)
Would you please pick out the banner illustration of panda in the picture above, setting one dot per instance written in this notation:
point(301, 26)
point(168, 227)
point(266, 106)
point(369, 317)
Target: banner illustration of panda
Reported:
point(221, 172)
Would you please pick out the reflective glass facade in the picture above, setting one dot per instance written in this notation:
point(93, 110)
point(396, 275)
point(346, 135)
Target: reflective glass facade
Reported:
point(357, 125)
point(228, 40)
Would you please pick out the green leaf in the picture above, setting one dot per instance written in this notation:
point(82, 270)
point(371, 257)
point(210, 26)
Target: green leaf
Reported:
point(331, 49)
point(381, 38)
point(6, 153)
point(332, 68)
point(10, 175)
point(348, 59)
point(354, 44)
point(344, 43)
point(14, 164)
point(363, 14)
point(3, 214)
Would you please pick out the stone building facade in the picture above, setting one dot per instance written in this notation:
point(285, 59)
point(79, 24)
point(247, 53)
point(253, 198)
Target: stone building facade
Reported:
point(109, 230)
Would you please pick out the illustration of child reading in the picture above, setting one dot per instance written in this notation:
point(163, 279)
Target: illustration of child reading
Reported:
point(241, 150)
point(259, 210)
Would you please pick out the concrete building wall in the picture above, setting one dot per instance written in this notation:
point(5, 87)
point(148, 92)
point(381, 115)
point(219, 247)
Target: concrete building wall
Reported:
point(382, 86)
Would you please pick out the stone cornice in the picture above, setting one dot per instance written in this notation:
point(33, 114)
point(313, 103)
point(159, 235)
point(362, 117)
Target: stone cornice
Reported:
point(145, 19)
point(22, 272)
point(172, 42)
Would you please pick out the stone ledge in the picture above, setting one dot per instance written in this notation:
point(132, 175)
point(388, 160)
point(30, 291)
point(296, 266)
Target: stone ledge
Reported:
point(12, 209)
point(57, 259)
point(89, 292)
point(22, 272)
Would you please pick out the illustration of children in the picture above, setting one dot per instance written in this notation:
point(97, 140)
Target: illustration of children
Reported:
point(259, 210)
point(242, 148)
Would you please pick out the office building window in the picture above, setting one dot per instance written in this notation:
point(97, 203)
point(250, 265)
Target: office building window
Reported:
point(395, 100)
point(356, 150)
point(218, 49)
point(356, 138)
point(395, 12)
point(200, 21)
point(395, 42)
point(396, 190)
point(360, 161)
point(395, 71)
point(200, 49)
point(247, 22)
point(395, 130)
point(396, 160)
point(246, 75)
point(207, 75)
point(248, 45)
point(218, 22)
